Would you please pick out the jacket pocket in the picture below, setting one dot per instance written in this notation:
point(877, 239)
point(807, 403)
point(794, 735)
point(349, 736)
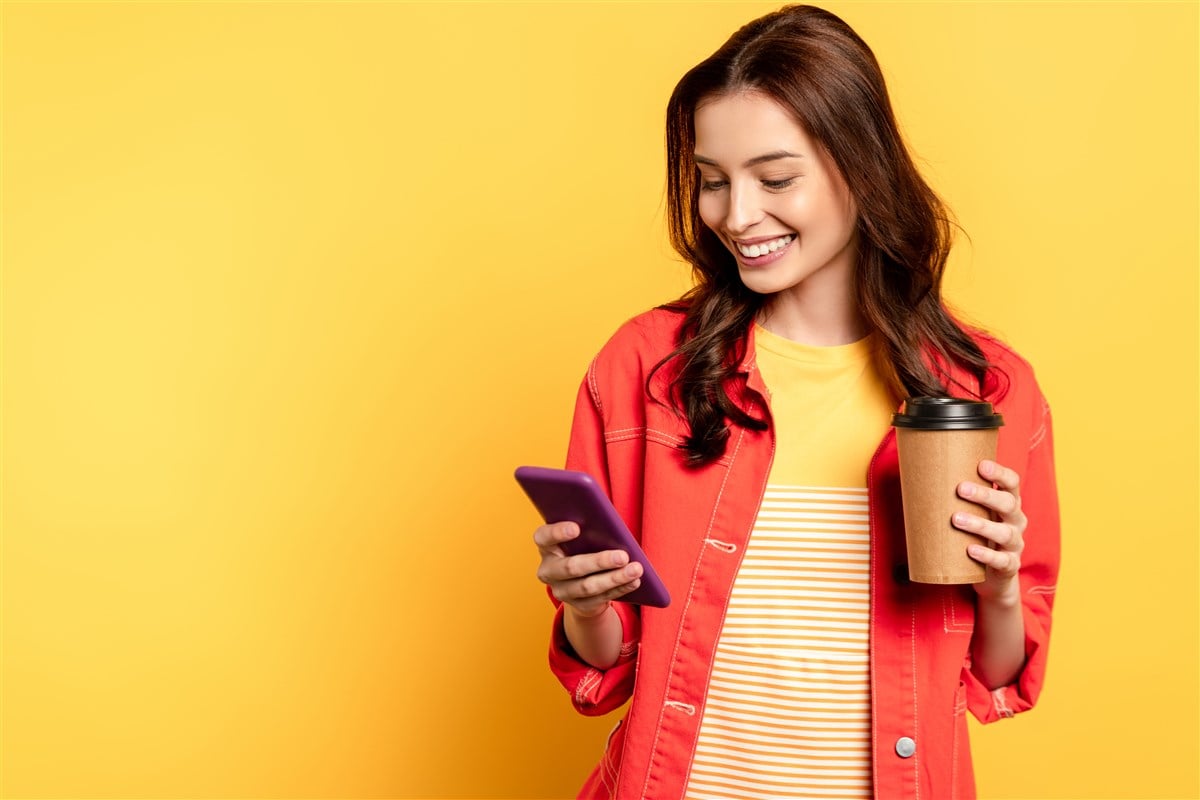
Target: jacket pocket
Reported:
point(958, 609)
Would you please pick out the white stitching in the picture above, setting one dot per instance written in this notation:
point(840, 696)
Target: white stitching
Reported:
point(1037, 438)
point(916, 758)
point(608, 767)
point(1040, 433)
point(627, 649)
point(686, 708)
point(1042, 589)
point(951, 624)
point(724, 547)
point(687, 604)
point(650, 434)
point(589, 680)
point(594, 386)
point(999, 703)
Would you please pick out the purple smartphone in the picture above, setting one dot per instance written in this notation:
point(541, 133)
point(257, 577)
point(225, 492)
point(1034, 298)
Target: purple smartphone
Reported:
point(562, 495)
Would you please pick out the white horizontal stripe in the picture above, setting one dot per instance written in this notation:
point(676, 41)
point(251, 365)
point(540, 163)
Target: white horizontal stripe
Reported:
point(735, 778)
point(773, 738)
point(817, 549)
point(813, 726)
point(776, 518)
point(793, 697)
point(757, 579)
point(803, 648)
point(834, 628)
point(813, 690)
point(842, 775)
point(815, 567)
point(792, 593)
point(835, 608)
point(848, 722)
point(756, 656)
point(786, 526)
point(819, 686)
point(814, 500)
point(777, 489)
point(790, 750)
point(714, 791)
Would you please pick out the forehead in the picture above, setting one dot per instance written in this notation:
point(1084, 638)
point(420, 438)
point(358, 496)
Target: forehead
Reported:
point(732, 128)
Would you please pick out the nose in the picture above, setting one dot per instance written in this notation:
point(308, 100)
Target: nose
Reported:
point(744, 210)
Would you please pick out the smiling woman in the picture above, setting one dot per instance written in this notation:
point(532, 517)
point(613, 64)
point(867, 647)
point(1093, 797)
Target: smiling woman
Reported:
point(773, 514)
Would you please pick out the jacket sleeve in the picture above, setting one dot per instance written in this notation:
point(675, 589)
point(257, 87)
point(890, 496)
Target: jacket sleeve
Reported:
point(1038, 577)
point(594, 691)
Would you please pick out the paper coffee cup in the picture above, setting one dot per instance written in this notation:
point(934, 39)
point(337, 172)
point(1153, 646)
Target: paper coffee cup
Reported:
point(941, 441)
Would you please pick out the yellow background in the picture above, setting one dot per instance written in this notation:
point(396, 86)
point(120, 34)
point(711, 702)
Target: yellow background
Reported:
point(290, 289)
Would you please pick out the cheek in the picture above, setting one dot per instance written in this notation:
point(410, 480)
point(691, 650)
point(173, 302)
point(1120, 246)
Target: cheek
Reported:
point(711, 210)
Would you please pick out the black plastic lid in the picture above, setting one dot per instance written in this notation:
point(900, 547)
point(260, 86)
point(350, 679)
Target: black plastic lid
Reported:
point(946, 414)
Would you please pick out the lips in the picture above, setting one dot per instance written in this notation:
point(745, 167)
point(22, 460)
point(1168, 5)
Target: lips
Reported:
point(766, 250)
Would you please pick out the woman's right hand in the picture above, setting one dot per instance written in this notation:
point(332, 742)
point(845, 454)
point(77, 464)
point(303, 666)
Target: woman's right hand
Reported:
point(587, 582)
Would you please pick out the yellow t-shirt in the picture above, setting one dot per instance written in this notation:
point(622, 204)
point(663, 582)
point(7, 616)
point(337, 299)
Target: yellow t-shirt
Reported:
point(788, 710)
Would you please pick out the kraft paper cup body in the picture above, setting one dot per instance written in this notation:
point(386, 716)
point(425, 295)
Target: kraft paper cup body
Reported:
point(932, 464)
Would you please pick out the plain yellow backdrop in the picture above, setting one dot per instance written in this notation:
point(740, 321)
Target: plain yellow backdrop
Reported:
point(290, 289)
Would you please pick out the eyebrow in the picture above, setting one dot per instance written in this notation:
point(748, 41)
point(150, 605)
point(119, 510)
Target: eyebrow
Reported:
point(774, 155)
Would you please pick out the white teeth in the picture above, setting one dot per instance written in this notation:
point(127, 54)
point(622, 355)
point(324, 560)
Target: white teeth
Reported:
point(756, 250)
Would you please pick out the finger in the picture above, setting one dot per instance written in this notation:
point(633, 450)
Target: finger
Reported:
point(598, 585)
point(568, 568)
point(1003, 534)
point(1007, 479)
point(548, 537)
point(592, 607)
point(1002, 502)
point(1002, 561)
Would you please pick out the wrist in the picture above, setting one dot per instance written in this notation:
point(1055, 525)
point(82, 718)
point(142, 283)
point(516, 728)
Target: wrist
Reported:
point(1007, 597)
point(588, 617)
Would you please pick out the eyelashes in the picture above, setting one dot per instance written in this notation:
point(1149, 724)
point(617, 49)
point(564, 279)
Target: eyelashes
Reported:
point(770, 185)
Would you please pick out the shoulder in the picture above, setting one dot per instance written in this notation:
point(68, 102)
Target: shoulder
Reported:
point(622, 371)
point(648, 337)
point(1003, 357)
point(1012, 384)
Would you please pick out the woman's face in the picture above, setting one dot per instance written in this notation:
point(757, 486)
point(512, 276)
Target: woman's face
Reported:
point(774, 198)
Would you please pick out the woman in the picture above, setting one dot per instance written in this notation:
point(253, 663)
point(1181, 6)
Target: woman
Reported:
point(743, 433)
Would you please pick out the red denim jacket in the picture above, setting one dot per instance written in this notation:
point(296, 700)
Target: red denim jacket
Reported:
point(694, 524)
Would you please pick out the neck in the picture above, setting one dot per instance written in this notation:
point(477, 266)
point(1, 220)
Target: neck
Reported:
point(819, 315)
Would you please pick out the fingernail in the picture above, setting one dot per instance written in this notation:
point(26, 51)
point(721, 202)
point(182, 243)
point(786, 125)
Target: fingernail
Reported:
point(571, 531)
point(633, 570)
point(975, 550)
point(619, 559)
point(987, 468)
point(960, 519)
point(966, 489)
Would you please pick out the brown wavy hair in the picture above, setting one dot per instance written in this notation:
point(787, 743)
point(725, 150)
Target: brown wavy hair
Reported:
point(816, 67)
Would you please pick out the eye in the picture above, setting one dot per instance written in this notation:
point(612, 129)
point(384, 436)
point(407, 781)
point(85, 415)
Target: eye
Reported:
point(712, 186)
point(780, 184)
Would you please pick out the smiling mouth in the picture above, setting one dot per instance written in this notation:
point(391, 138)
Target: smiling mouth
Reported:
point(763, 248)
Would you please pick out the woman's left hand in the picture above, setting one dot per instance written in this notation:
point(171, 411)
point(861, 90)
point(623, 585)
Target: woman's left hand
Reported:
point(1005, 529)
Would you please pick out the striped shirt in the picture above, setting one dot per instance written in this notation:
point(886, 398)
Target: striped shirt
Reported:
point(788, 708)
